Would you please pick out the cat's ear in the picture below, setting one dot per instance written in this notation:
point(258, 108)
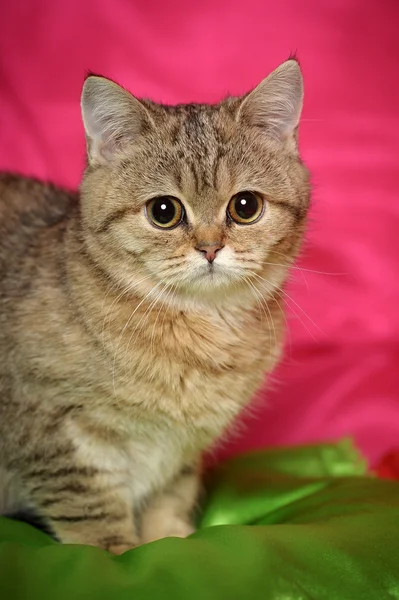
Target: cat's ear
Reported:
point(275, 104)
point(112, 117)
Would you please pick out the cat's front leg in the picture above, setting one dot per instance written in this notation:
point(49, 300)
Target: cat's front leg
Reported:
point(170, 513)
point(81, 507)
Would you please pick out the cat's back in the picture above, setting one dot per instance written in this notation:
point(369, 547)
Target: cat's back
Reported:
point(31, 213)
point(29, 204)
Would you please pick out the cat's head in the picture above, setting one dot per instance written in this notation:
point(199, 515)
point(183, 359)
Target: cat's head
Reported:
point(201, 201)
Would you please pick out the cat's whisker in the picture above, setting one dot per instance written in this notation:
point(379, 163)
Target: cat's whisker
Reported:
point(303, 273)
point(278, 303)
point(163, 320)
point(271, 320)
point(285, 295)
point(171, 271)
point(143, 319)
point(282, 296)
point(174, 292)
point(303, 312)
point(286, 323)
point(129, 289)
point(289, 261)
point(110, 288)
point(264, 304)
point(287, 264)
point(124, 329)
point(169, 288)
point(115, 301)
point(299, 307)
point(253, 288)
point(125, 362)
point(123, 293)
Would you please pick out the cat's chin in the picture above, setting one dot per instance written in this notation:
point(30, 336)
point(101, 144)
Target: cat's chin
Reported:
point(212, 288)
point(209, 280)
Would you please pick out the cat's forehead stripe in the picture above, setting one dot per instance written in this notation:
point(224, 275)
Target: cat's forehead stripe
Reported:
point(199, 134)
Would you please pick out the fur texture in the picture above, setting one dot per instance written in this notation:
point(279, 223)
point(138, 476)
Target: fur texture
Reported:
point(124, 353)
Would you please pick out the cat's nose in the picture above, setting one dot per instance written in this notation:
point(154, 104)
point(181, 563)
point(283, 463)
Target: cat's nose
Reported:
point(209, 250)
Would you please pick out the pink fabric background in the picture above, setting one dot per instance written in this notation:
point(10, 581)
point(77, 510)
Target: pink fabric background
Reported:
point(341, 371)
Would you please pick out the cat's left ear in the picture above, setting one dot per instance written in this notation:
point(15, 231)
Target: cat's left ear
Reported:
point(113, 119)
point(275, 105)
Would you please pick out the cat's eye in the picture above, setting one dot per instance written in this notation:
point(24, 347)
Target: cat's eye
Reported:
point(245, 208)
point(165, 212)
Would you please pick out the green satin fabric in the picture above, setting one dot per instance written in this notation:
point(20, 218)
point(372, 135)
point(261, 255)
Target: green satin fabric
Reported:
point(289, 524)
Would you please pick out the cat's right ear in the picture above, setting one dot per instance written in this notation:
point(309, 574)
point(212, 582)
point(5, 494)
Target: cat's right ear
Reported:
point(112, 117)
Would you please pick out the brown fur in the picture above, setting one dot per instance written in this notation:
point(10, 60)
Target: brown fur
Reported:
point(123, 353)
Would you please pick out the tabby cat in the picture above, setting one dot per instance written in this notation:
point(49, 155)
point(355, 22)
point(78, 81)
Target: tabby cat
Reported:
point(138, 318)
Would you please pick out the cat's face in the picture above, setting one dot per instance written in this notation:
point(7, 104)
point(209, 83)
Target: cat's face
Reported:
point(200, 201)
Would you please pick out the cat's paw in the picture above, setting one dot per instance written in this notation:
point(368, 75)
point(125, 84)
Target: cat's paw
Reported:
point(171, 528)
point(180, 529)
point(120, 548)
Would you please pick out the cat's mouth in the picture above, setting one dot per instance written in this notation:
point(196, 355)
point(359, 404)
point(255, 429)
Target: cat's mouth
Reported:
point(212, 270)
point(214, 274)
point(205, 277)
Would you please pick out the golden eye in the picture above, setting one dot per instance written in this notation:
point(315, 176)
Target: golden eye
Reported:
point(165, 212)
point(245, 208)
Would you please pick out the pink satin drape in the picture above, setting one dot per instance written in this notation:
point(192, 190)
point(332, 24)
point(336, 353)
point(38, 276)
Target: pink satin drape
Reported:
point(341, 371)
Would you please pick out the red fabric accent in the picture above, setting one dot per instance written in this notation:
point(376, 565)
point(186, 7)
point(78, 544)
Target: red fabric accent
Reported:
point(388, 468)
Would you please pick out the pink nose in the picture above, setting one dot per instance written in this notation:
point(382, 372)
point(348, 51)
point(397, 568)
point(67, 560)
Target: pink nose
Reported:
point(209, 250)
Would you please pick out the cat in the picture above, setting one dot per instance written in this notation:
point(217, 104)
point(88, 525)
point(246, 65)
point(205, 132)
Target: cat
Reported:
point(139, 317)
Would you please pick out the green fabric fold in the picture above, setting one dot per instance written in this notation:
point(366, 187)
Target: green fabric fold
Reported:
point(288, 524)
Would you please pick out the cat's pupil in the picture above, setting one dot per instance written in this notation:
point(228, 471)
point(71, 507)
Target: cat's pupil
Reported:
point(246, 205)
point(163, 211)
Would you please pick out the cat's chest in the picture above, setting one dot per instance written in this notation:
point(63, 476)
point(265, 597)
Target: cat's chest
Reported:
point(198, 370)
point(175, 392)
